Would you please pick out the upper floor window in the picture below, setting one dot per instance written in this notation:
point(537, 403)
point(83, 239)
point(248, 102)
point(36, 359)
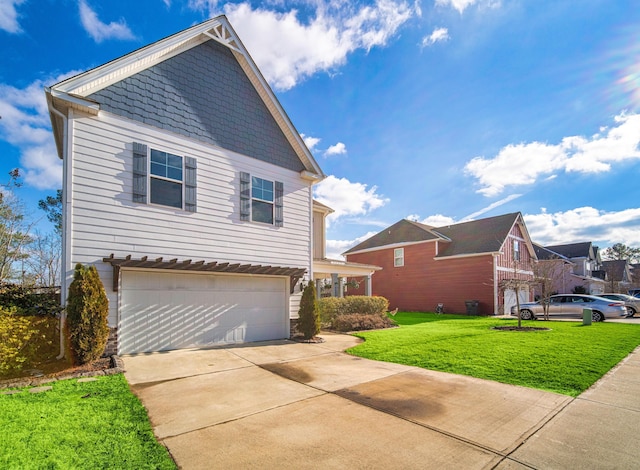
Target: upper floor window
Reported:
point(261, 200)
point(398, 257)
point(516, 250)
point(165, 181)
point(164, 178)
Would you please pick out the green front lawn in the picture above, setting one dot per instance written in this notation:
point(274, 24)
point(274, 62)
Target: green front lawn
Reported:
point(89, 425)
point(568, 359)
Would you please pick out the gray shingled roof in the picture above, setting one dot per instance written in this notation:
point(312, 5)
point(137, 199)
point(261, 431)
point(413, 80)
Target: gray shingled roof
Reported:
point(473, 237)
point(544, 253)
point(615, 268)
point(403, 231)
point(573, 250)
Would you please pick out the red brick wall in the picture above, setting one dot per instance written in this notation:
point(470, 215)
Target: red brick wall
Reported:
point(422, 282)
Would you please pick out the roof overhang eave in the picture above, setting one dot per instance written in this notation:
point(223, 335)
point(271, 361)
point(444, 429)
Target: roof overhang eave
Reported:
point(391, 245)
point(342, 268)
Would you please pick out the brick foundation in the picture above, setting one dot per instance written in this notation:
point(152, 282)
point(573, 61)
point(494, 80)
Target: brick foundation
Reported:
point(112, 343)
point(293, 327)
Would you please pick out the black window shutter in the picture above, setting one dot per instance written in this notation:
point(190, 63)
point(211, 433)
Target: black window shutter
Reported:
point(279, 196)
point(190, 184)
point(245, 196)
point(139, 173)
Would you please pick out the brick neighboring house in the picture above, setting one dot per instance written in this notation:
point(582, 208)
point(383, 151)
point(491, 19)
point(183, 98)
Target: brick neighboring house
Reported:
point(424, 265)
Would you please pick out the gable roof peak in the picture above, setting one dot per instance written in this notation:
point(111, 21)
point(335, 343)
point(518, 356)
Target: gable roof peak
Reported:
point(469, 237)
point(73, 92)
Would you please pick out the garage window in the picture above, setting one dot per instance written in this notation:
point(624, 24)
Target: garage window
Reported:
point(164, 178)
point(261, 200)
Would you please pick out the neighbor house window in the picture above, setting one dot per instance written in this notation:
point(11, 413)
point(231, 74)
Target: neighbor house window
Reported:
point(261, 200)
point(398, 257)
point(516, 250)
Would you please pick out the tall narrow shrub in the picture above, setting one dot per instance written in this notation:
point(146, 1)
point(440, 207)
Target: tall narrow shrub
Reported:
point(309, 313)
point(87, 310)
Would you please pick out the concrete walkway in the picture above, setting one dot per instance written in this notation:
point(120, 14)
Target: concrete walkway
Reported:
point(292, 405)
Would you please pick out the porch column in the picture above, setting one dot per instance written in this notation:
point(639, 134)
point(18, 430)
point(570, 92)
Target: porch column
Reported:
point(367, 286)
point(336, 285)
point(319, 284)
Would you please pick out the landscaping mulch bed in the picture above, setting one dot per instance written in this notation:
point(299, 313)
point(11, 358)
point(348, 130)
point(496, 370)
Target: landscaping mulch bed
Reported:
point(300, 339)
point(33, 377)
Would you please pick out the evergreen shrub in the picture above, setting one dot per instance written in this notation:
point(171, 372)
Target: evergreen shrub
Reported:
point(309, 313)
point(87, 311)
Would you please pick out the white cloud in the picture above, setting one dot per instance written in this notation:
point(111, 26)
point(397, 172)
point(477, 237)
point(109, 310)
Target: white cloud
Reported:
point(525, 163)
point(490, 207)
point(438, 220)
point(296, 50)
point(459, 5)
point(585, 224)
point(335, 248)
point(337, 149)
point(100, 31)
point(310, 142)
point(462, 5)
point(9, 16)
point(25, 124)
point(347, 198)
point(438, 35)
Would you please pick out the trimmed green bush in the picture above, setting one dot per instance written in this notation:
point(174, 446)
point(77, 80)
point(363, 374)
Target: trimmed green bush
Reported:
point(25, 341)
point(360, 321)
point(87, 310)
point(309, 313)
point(332, 307)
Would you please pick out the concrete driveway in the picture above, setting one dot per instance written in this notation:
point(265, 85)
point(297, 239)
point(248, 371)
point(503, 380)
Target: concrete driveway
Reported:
point(293, 405)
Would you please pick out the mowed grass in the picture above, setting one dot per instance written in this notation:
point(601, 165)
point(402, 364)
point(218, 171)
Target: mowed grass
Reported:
point(89, 425)
point(568, 359)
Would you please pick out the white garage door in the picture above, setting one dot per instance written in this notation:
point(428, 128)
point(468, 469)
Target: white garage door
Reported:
point(162, 311)
point(510, 298)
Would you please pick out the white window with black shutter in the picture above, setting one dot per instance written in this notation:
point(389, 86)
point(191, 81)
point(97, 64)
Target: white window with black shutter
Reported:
point(164, 178)
point(261, 200)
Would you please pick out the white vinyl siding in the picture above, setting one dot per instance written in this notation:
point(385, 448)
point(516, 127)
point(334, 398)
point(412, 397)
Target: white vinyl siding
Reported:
point(105, 220)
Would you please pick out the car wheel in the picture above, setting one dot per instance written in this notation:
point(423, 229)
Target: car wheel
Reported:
point(597, 316)
point(630, 311)
point(526, 315)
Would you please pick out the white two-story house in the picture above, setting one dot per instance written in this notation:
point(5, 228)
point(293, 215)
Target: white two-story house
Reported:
point(188, 187)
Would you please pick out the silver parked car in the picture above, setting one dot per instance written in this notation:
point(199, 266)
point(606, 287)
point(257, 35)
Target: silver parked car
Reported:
point(631, 303)
point(571, 305)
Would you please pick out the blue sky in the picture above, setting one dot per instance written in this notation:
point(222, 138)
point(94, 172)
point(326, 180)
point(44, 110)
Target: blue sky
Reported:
point(440, 110)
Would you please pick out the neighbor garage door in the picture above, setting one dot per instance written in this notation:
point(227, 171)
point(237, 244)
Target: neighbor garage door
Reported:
point(161, 311)
point(510, 298)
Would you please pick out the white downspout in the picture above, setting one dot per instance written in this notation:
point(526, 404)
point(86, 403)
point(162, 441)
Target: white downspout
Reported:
point(65, 225)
